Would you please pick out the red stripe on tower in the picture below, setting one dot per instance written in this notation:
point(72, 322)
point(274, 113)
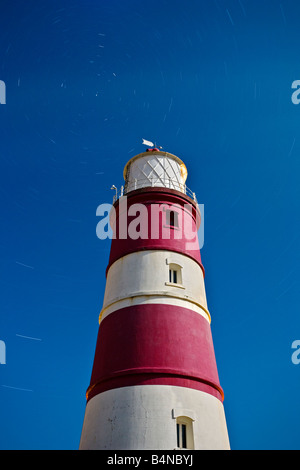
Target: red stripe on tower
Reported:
point(159, 343)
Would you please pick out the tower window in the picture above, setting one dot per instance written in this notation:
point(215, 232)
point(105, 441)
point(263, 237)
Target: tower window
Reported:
point(184, 429)
point(175, 273)
point(181, 436)
point(172, 218)
point(173, 276)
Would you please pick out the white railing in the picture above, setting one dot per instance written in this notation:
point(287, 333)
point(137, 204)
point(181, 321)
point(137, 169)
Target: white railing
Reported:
point(157, 183)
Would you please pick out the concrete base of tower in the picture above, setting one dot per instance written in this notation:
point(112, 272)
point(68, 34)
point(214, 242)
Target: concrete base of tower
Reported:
point(154, 417)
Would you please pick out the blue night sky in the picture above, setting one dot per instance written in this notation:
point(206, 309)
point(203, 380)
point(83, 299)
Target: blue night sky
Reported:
point(210, 81)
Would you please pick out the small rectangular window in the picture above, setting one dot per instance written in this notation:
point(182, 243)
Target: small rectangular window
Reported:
point(172, 218)
point(181, 436)
point(173, 276)
point(184, 434)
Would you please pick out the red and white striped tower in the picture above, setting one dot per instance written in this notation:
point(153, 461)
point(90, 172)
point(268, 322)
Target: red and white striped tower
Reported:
point(154, 382)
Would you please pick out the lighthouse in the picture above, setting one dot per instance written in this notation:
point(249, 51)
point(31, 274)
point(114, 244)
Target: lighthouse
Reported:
point(154, 381)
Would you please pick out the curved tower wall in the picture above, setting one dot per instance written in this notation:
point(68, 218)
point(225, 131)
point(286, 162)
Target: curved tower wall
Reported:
point(154, 382)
